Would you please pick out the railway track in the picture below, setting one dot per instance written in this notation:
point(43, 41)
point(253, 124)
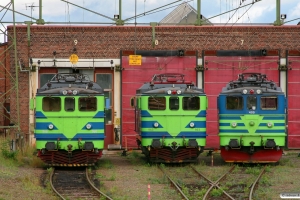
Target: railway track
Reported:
point(74, 184)
point(231, 185)
point(174, 183)
point(227, 194)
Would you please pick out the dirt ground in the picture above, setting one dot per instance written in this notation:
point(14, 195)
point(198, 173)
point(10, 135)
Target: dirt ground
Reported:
point(132, 178)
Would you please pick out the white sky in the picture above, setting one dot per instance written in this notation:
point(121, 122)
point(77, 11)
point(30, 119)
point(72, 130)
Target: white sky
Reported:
point(263, 11)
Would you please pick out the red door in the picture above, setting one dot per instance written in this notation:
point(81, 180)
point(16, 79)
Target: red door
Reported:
point(219, 70)
point(134, 76)
point(293, 94)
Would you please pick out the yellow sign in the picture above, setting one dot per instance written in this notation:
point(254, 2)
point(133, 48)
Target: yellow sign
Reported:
point(73, 58)
point(117, 121)
point(135, 60)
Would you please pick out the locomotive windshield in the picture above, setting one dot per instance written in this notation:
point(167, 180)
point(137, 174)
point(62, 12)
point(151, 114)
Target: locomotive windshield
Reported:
point(157, 103)
point(191, 103)
point(268, 103)
point(234, 102)
point(174, 103)
point(69, 104)
point(251, 103)
point(87, 104)
point(51, 104)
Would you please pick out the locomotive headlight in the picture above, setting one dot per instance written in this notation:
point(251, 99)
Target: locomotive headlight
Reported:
point(75, 92)
point(88, 126)
point(245, 91)
point(50, 126)
point(155, 124)
point(192, 124)
point(269, 124)
point(258, 91)
point(233, 124)
point(65, 92)
point(178, 91)
point(169, 91)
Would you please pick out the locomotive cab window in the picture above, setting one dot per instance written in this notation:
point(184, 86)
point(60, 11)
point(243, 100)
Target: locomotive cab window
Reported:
point(51, 104)
point(234, 103)
point(87, 104)
point(268, 103)
point(191, 103)
point(69, 104)
point(251, 103)
point(157, 103)
point(174, 103)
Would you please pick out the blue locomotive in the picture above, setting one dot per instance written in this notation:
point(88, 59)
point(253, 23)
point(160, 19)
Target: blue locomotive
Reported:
point(252, 120)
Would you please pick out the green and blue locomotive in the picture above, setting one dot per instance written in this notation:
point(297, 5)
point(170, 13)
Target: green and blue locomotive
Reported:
point(252, 120)
point(170, 119)
point(69, 121)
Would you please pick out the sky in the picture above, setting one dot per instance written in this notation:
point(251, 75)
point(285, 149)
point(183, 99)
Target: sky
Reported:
point(100, 11)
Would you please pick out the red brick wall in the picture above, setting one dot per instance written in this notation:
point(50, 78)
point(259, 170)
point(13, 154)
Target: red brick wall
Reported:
point(4, 81)
point(106, 42)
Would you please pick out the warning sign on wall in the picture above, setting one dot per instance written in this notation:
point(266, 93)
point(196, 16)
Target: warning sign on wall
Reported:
point(135, 60)
point(73, 58)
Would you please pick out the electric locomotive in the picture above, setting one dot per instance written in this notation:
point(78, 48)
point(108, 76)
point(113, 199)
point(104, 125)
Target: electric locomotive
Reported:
point(252, 120)
point(170, 119)
point(69, 121)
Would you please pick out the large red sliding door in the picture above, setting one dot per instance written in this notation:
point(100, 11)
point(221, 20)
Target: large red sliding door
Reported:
point(219, 70)
point(293, 94)
point(134, 76)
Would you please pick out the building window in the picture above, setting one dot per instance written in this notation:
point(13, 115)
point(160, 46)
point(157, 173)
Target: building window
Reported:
point(44, 78)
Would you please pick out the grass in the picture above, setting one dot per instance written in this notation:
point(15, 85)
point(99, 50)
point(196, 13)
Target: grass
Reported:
point(132, 174)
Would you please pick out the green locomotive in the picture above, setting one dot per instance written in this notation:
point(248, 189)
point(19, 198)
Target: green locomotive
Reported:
point(69, 121)
point(170, 119)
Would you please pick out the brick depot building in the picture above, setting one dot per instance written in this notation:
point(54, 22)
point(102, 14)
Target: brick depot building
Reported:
point(212, 56)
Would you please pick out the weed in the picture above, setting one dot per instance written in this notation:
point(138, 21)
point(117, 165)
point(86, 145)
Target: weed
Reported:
point(6, 152)
point(216, 192)
point(252, 170)
point(286, 162)
point(107, 164)
point(265, 181)
point(112, 177)
point(200, 193)
point(97, 175)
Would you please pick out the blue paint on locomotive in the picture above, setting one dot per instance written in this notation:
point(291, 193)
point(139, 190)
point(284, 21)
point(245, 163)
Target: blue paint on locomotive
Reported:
point(145, 113)
point(201, 124)
point(199, 134)
point(95, 125)
point(52, 136)
point(100, 114)
point(44, 126)
point(85, 136)
point(150, 124)
point(39, 114)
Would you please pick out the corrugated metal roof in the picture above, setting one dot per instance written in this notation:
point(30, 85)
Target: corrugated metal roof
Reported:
point(180, 14)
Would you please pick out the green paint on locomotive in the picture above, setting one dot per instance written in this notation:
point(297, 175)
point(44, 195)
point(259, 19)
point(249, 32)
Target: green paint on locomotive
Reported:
point(69, 128)
point(252, 128)
point(173, 125)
